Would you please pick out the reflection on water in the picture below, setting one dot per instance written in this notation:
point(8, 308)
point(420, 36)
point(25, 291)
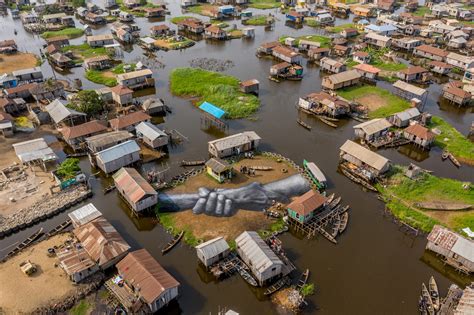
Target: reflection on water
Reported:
point(414, 152)
point(437, 264)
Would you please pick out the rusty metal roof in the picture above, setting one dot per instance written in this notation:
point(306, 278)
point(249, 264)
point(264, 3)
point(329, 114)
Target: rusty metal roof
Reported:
point(307, 203)
point(146, 275)
point(133, 185)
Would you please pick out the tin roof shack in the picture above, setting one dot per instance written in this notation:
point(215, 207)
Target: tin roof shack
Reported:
point(460, 61)
point(331, 65)
point(215, 32)
point(410, 92)
point(48, 90)
point(419, 135)
point(100, 40)
point(372, 129)
point(456, 250)
point(362, 11)
point(118, 156)
point(84, 215)
point(106, 140)
point(160, 30)
point(98, 63)
point(303, 208)
point(75, 136)
point(341, 80)
point(267, 48)
point(58, 41)
point(341, 50)
point(94, 18)
point(219, 169)
point(288, 55)
point(440, 67)
point(135, 190)
point(457, 95)
point(53, 18)
point(377, 40)
point(6, 126)
point(154, 106)
point(324, 103)
point(370, 164)
point(295, 17)
point(102, 242)
point(191, 25)
point(63, 115)
point(414, 73)
point(384, 29)
point(287, 70)
point(151, 135)
point(349, 32)
point(316, 54)
point(406, 43)
point(304, 44)
point(249, 86)
point(234, 144)
point(145, 282)
point(129, 122)
point(212, 251)
point(361, 57)
point(367, 71)
point(154, 12)
point(402, 119)
point(430, 52)
point(137, 79)
point(30, 74)
point(21, 91)
point(262, 261)
point(35, 151)
point(76, 262)
point(121, 95)
point(8, 46)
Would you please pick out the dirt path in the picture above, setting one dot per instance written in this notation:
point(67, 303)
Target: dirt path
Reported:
point(18, 61)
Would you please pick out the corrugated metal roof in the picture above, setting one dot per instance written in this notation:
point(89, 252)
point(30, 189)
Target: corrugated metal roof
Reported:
point(212, 110)
point(307, 203)
point(84, 214)
point(147, 276)
point(466, 302)
point(314, 169)
point(454, 242)
point(213, 248)
point(344, 76)
point(26, 71)
point(58, 111)
point(365, 155)
point(409, 88)
point(117, 151)
point(258, 252)
point(373, 126)
point(101, 240)
point(32, 150)
point(408, 114)
point(133, 185)
point(235, 140)
point(149, 130)
point(134, 74)
point(218, 165)
point(109, 137)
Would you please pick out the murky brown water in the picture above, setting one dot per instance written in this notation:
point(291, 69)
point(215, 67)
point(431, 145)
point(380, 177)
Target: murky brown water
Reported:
point(375, 268)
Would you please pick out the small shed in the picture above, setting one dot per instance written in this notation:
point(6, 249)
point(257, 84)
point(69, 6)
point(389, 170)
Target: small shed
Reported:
point(250, 86)
point(59, 113)
point(303, 208)
point(457, 95)
point(419, 135)
point(84, 215)
point(33, 151)
point(372, 129)
point(120, 155)
point(151, 135)
point(154, 106)
point(234, 144)
point(374, 164)
point(409, 91)
point(219, 169)
point(212, 251)
point(342, 79)
point(402, 119)
point(212, 116)
point(138, 193)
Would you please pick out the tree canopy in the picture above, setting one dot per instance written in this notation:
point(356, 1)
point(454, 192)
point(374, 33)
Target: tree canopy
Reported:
point(88, 102)
point(68, 168)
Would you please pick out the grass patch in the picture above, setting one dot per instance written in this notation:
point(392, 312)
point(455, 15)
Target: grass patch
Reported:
point(85, 51)
point(264, 4)
point(393, 104)
point(99, 78)
point(376, 59)
point(218, 89)
point(256, 20)
point(119, 68)
point(310, 21)
point(322, 40)
point(274, 227)
point(70, 32)
point(421, 11)
point(453, 141)
point(307, 289)
point(167, 220)
point(426, 188)
point(340, 28)
point(81, 309)
point(178, 19)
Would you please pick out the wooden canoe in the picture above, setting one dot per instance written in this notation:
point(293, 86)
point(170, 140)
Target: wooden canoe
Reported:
point(302, 123)
point(192, 163)
point(247, 276)
point(172, 243)
point(335, 202)
point(454, 160)
point(330, 198)
point(303, 279)
point(327, 122)
point(443, 206)
point(425, 294)
point(277, 286)
point(444, 155)
point(434, 293)
point(261, 168)
point(336, 226)
point(109, 189)
point(344, 220)
point(59, 228)
point(33, 237)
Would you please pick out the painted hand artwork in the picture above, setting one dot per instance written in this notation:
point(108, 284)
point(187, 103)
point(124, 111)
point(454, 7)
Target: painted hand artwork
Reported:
point(225, 202)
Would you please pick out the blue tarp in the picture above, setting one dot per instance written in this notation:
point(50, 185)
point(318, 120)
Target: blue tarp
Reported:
point(212, 110)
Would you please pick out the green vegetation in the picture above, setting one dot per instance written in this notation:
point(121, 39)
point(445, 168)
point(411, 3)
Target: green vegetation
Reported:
point(81, 309)
point(23, 122)
point(256, 20)
point(70, 32)
point(68, 168)
point(136, 11)
point(421, 11)
point(100, 78)
point(307, 289)
point(178, 19)
point(218, 89)
point(453, 141)
point(85, 51)
point(339, 28)
point(120, 68)
point(376, 59)
point(322, 40)
point(166, 219)
point(88, 102)
point(264, 4)
point(78, 3)
point(403, 193)
point(274, 227)
point(393, 104)
point(311, 22)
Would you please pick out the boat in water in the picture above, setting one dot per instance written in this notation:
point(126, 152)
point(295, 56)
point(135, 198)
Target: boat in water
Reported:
point(427, 302)
point(344, 220)
point(305, 125)
point(172, 243)
point(315, 174)
point(434, 293)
